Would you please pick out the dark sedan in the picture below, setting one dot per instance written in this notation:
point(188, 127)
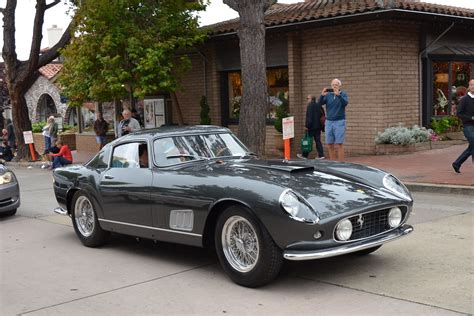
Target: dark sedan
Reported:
point(9, 192)
point(200, 186)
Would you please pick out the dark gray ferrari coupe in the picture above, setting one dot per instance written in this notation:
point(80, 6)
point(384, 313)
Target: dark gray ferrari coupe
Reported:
point(200, 186)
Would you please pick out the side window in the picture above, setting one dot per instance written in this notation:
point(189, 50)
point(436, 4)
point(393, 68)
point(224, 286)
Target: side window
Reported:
point(126, 156)
point(170, 151)
point(100, 161)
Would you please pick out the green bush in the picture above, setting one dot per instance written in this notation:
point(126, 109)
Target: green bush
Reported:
point(281, 112)
point(440, 125)
point(37, 127)
point(401, 135)
point(205, 119)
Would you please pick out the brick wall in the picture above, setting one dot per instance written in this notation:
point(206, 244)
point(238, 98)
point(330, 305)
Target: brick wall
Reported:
point(377, 63)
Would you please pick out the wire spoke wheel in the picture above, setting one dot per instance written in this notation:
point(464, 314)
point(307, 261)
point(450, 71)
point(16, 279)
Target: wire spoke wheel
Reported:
point(84, 216)
point(240, 244)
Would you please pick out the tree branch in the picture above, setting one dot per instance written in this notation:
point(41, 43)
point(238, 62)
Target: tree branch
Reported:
point(37, 35)
point(53, 52)
point(2, 10)
point(52, 4)
point(9, 49)
point(233, 4)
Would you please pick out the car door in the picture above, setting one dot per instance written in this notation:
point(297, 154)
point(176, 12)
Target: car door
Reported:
point(125, 186)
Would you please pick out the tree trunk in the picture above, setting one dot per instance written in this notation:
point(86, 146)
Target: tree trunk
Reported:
point(174, 98)
point(21, 123)
point(254, 104)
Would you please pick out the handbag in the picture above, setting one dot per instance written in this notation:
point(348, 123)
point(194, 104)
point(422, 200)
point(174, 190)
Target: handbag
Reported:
point(306, 143)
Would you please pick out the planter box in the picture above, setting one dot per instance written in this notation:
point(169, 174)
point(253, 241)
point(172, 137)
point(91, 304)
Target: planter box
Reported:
point(455, 135)
point(86, 142)
point(390, 149)
point(68, 139)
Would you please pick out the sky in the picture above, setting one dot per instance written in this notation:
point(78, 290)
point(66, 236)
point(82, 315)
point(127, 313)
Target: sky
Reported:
point(216, 12)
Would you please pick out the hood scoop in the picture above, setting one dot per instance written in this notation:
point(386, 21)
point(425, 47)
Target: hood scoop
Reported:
point(279, 166)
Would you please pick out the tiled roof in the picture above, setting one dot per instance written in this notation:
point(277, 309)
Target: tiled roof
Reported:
point(50, 70)
point(321, 9)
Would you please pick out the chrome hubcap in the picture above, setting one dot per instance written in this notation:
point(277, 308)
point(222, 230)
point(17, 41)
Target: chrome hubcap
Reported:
point(84, 216)
point(240, 244)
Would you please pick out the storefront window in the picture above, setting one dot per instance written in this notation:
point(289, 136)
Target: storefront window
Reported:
point(450, 81)
point(277, 80)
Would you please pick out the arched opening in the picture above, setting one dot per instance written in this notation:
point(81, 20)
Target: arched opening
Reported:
point(45, 108)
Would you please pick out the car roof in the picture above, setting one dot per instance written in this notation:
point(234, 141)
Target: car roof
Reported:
point(176, 130)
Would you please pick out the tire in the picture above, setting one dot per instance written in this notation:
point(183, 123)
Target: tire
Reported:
point(263, 259)
point(85, 222)
point(367, 251)
point(9, 213)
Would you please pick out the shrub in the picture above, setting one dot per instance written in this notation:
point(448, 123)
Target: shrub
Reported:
point(401, 135)
point(205, 119)
point(37, 127)
point(281, 112)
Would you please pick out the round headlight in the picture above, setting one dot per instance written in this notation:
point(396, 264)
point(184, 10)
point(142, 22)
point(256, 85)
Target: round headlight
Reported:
point(344, 230)
point(397, 187)
point(290, 203)
point(394, 217)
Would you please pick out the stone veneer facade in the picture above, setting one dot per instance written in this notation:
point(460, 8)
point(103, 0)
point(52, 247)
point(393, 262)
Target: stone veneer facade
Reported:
point(41, 87)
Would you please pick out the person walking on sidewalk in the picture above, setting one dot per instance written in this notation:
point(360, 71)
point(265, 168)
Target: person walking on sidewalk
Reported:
point(100, 128)
point(336, 101)
point(314, 112)
point(465, 111)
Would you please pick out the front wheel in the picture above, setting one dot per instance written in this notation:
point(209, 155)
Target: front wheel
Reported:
point(85, 222)
point(245, 249)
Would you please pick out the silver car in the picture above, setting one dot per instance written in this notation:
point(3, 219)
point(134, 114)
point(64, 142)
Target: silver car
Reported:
point(9, 192)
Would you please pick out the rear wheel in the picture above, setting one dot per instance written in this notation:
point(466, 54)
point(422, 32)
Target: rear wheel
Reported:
point(245, 249)
point(85, 222)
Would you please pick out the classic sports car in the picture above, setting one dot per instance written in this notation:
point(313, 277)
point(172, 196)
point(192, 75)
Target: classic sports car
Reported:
point(199, 185)
point(9, 192)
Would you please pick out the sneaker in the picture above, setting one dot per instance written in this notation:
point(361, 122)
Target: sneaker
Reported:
point(300, 156)
point(320, 157)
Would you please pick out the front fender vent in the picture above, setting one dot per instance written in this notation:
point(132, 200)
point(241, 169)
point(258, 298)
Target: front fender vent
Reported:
point(182, 220)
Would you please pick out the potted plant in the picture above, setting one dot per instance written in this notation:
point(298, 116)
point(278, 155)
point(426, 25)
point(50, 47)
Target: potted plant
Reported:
point(281, 112)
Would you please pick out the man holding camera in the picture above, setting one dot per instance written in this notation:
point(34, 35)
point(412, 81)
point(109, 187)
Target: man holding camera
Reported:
point(336, 101)
point(128, 124)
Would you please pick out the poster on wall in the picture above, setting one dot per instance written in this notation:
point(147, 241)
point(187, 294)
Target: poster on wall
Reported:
point(159, 112)
point(154, 112)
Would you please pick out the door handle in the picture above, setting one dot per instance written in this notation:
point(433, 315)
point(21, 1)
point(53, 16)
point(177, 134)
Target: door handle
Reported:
point(108, 177)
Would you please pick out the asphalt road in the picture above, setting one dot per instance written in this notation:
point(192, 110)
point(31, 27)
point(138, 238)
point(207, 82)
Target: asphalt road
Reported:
point(45, 270)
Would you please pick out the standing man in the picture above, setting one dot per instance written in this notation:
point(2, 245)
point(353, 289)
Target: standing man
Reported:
point(336, 101)
point(465, 111)
point(11, 135)
point(314, 111)
point(128, 124)
point(100, 128)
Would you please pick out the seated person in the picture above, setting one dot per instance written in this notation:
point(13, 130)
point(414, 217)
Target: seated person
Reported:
point(143, 156)
point(63, 157)
point(6, 152)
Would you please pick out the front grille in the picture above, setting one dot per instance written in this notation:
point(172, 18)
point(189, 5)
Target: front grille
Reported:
point(371, 224)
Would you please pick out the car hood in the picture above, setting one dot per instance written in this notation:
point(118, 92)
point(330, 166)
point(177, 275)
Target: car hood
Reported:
point(330, 187)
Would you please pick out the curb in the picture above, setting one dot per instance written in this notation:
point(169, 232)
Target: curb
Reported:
point(440, 188)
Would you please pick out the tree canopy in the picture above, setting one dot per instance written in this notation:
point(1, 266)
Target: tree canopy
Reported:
point(124, 46)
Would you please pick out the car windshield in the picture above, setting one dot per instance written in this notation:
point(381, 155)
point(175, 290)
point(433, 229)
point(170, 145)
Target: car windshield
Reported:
point(178, 149)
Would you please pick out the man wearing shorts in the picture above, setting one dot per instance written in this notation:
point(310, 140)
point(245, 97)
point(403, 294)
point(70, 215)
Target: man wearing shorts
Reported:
point(336, 101)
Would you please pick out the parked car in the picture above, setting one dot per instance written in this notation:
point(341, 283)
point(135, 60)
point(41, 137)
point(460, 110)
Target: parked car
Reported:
point(9, 192)
point(200, 186)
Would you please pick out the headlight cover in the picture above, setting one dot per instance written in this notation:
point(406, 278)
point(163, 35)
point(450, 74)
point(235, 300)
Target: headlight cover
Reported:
point(395, 217)
point(7, 177)
point(397, 187)
point(344, 230)
point(298, 208)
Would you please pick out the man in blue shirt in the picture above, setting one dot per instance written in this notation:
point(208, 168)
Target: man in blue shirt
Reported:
point(336, 101)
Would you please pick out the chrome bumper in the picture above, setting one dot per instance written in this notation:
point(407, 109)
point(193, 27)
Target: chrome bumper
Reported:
point(298, 255)
point(60, 211)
